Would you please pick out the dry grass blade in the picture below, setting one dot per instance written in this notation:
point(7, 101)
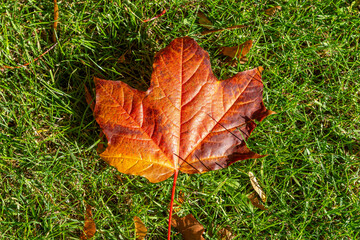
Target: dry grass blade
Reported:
point(157, 16)
point(56, 16)
point(26, 64)
point(140, 228)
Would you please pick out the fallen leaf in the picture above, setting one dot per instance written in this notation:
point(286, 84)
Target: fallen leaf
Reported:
point(237, 51)
point(186, 121)
point(189, 227)
point(257, 187)
point(272, 11)
point(225, 234)
point(256, 202)
point(89, 226)
point(204, 21)
point(140, 228)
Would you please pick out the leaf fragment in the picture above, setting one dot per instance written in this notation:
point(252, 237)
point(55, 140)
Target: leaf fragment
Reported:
point(237, 51)
point(89, 225)
point(272, 11)
point(225, 234)
point(204, 21)
point(256, 202)
point(257, 187)
point(189, 227)
point(140, 228)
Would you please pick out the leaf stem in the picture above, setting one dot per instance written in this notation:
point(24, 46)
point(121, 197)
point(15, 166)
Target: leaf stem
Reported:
point(172, 202)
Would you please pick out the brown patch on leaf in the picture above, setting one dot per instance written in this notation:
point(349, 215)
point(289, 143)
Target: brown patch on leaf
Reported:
point(140, 228)
point(89, 226)
point(189, 227)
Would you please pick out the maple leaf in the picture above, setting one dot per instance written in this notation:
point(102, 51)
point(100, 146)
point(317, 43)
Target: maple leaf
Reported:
point(186, 121)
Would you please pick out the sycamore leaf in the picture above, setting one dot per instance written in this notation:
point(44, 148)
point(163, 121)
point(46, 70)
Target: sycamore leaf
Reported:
point(189, 227)
point(89, 226)
point(140, 228)
point(186, 121)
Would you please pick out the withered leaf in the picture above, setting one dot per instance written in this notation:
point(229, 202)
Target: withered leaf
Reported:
point(225, 234)
point(257, 187)
point(189, 227)
point(204, 21)
point(186, 121)
point(237, 51)
point(89, 226)
point(272, 11)
point(140, 228)
point(256, 202)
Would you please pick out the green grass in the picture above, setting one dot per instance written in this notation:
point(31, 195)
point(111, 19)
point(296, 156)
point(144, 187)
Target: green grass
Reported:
point(49, 167)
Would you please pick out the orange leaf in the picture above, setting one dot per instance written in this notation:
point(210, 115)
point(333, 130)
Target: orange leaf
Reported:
point(189, 227)
point(89, 227)
point(186, 121)
point(140, 228)
point(237, 51)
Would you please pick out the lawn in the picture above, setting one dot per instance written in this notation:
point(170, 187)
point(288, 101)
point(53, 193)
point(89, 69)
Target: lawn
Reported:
point(49, 166)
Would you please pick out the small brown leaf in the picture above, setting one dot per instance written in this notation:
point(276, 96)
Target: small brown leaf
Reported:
point(257, 187)
point(272, 11)
point(237, 51)
point(89, 226)
point(189, 227)
point(140, 228)
point(225, 234)
point(204, 21)
point(256, 202)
